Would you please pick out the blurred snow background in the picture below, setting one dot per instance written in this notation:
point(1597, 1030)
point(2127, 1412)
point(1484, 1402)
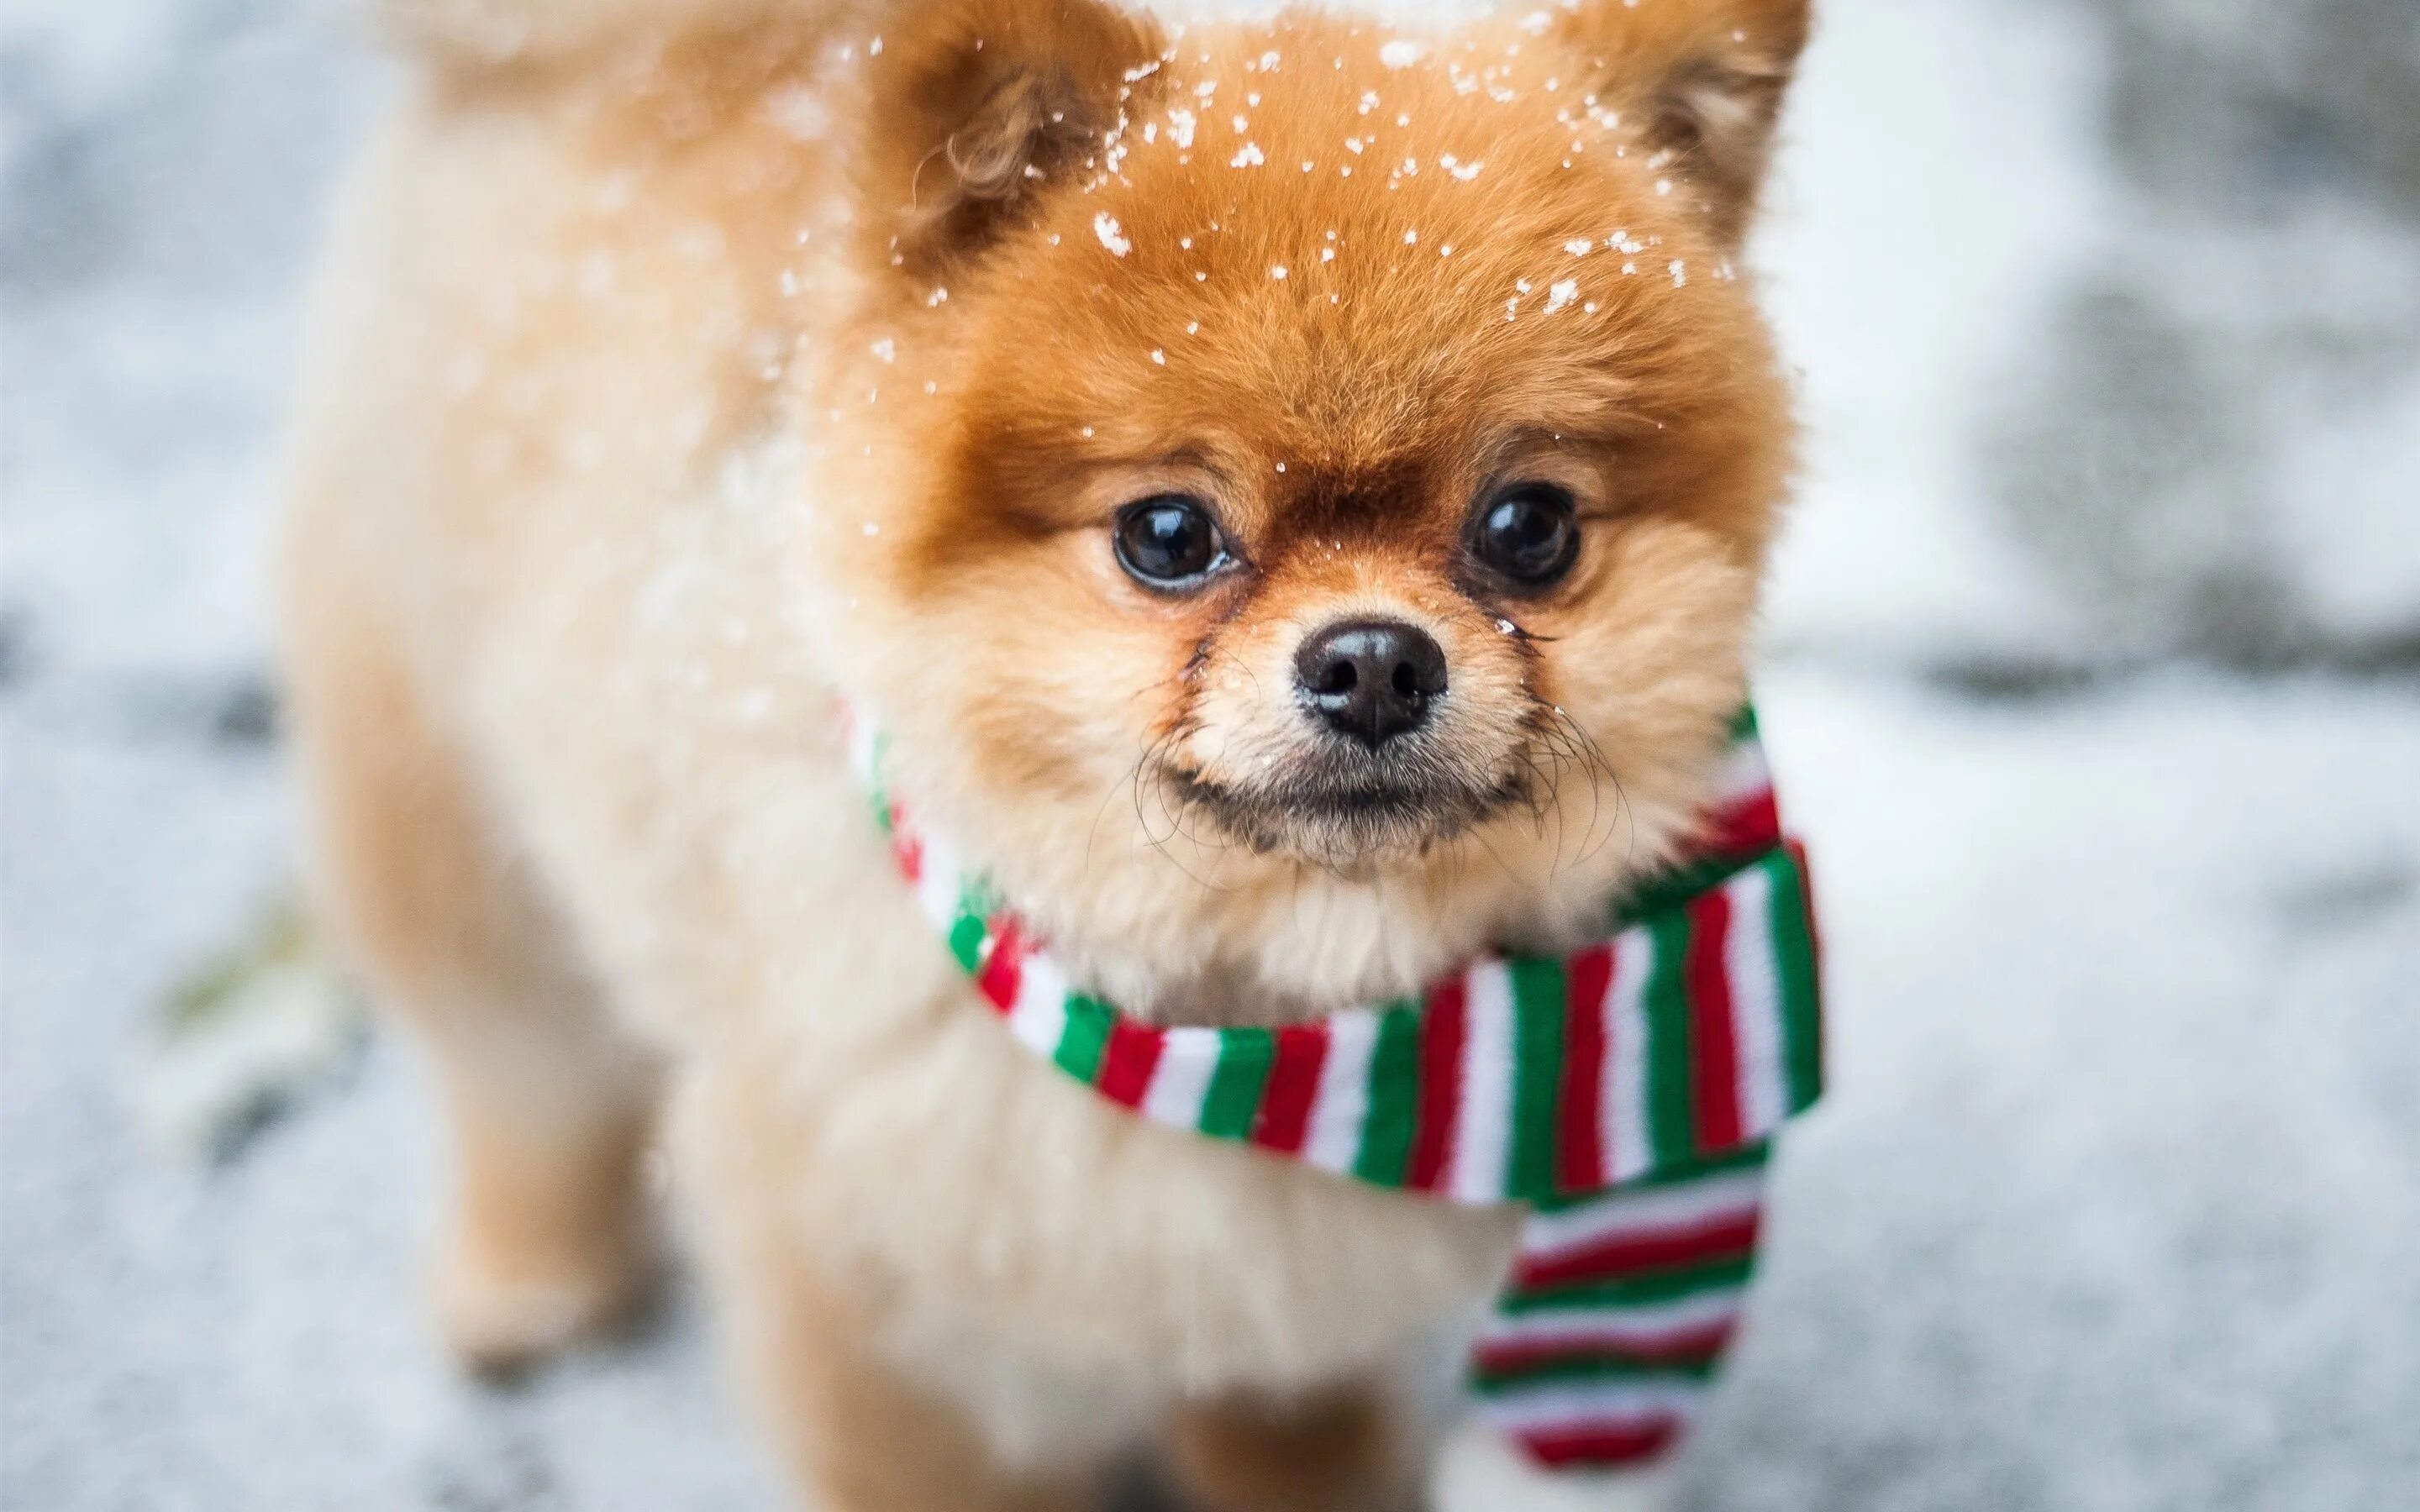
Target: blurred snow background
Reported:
point(2094, 676)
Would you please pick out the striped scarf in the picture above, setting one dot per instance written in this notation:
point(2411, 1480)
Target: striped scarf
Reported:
point(1626, 1092)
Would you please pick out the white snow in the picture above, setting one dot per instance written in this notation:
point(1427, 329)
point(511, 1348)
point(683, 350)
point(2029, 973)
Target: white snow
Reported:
point(1897, 273)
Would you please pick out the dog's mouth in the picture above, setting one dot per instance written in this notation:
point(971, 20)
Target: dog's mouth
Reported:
point(1347, 815)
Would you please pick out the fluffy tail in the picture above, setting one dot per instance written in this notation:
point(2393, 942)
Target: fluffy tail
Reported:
point(486, 33)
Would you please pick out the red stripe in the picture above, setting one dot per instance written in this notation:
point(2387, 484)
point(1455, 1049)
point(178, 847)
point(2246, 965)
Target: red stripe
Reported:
point(1443, 1026)
point(1294, 1080)
point(1625, 1445)
point(1727, 1236)
point(1746, 827)
point(1579, 1110)
point(1003, 968)
point(1127, 1061)
point(908, 849)
point(1690, 1345)
point(1713, 1038)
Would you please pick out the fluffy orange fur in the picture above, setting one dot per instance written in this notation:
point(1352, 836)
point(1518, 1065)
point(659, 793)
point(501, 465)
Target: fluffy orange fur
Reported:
point(686, 365)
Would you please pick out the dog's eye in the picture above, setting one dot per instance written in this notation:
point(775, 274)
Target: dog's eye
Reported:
point(1169, 541)
point(1527, 534)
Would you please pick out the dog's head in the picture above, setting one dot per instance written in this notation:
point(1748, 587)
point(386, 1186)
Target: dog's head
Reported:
point(1300, 450)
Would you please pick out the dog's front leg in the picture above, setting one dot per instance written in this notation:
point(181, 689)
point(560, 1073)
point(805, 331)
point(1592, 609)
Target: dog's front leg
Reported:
point(1341, 1450)
point(815, 1338)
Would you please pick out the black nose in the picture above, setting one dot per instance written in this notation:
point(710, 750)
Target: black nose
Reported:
point(1370, 679)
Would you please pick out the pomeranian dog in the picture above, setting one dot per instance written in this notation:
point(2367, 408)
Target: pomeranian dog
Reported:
point(1291, 493)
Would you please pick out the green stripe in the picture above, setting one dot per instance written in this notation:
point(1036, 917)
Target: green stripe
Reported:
point(1793, 956)
point(1234, 1093)
point(1649, 1288)
point(875, 793)
point(1537, 1073)
point(1702, 1167)
point(973, 926)
point(1743, 725)
point(1674, 889)
point(1671, 1135)
point(1086, 1038)
point(1394, 1076)
point(1595, 1365)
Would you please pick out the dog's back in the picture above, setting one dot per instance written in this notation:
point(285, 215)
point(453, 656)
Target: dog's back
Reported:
point(547, 315)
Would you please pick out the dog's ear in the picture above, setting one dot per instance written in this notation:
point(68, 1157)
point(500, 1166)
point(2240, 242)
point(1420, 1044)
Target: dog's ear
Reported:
point(1700, 82)
point(973, 105)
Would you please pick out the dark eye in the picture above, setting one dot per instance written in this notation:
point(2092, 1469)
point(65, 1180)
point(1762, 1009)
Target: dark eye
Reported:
point(1169, 541)
point(1528, 534)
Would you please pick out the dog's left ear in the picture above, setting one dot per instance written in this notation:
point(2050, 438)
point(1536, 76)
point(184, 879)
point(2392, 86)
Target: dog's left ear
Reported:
point(1701, 82)
point(975, 104)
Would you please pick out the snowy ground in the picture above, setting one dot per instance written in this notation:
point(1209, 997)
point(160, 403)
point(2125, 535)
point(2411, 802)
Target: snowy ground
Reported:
point(2117, 1203)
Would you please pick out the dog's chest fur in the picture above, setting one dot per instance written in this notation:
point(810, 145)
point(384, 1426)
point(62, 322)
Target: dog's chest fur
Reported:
point(1021, 1230)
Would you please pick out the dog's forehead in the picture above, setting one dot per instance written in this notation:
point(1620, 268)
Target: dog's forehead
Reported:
point(1356, 254)
point(1235, 162)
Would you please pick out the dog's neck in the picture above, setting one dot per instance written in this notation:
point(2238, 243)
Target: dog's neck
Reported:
point(958, 888)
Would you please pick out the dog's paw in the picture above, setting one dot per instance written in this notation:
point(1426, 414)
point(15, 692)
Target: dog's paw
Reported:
point(502, 1310)
point(1482, 1473)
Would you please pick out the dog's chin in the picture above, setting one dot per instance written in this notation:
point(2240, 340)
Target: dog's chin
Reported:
point(1353, 822)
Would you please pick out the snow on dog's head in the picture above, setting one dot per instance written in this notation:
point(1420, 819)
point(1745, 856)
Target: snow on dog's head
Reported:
point(1293, 452)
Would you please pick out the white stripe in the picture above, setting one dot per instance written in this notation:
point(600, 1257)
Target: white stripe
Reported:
point(1756, 1003)
point(861, 738)
point(1622, 1093)
point(1638, 1325)
point(1657, 1209)
point(1039, 1020)
point(1483, 1128)
point(1181, 1080)
point(1333, 1141)
point(1565, 1406)
point(1744, 775)
point(938, 882)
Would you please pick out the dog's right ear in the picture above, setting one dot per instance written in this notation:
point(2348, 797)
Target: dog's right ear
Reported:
point(972, 105)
